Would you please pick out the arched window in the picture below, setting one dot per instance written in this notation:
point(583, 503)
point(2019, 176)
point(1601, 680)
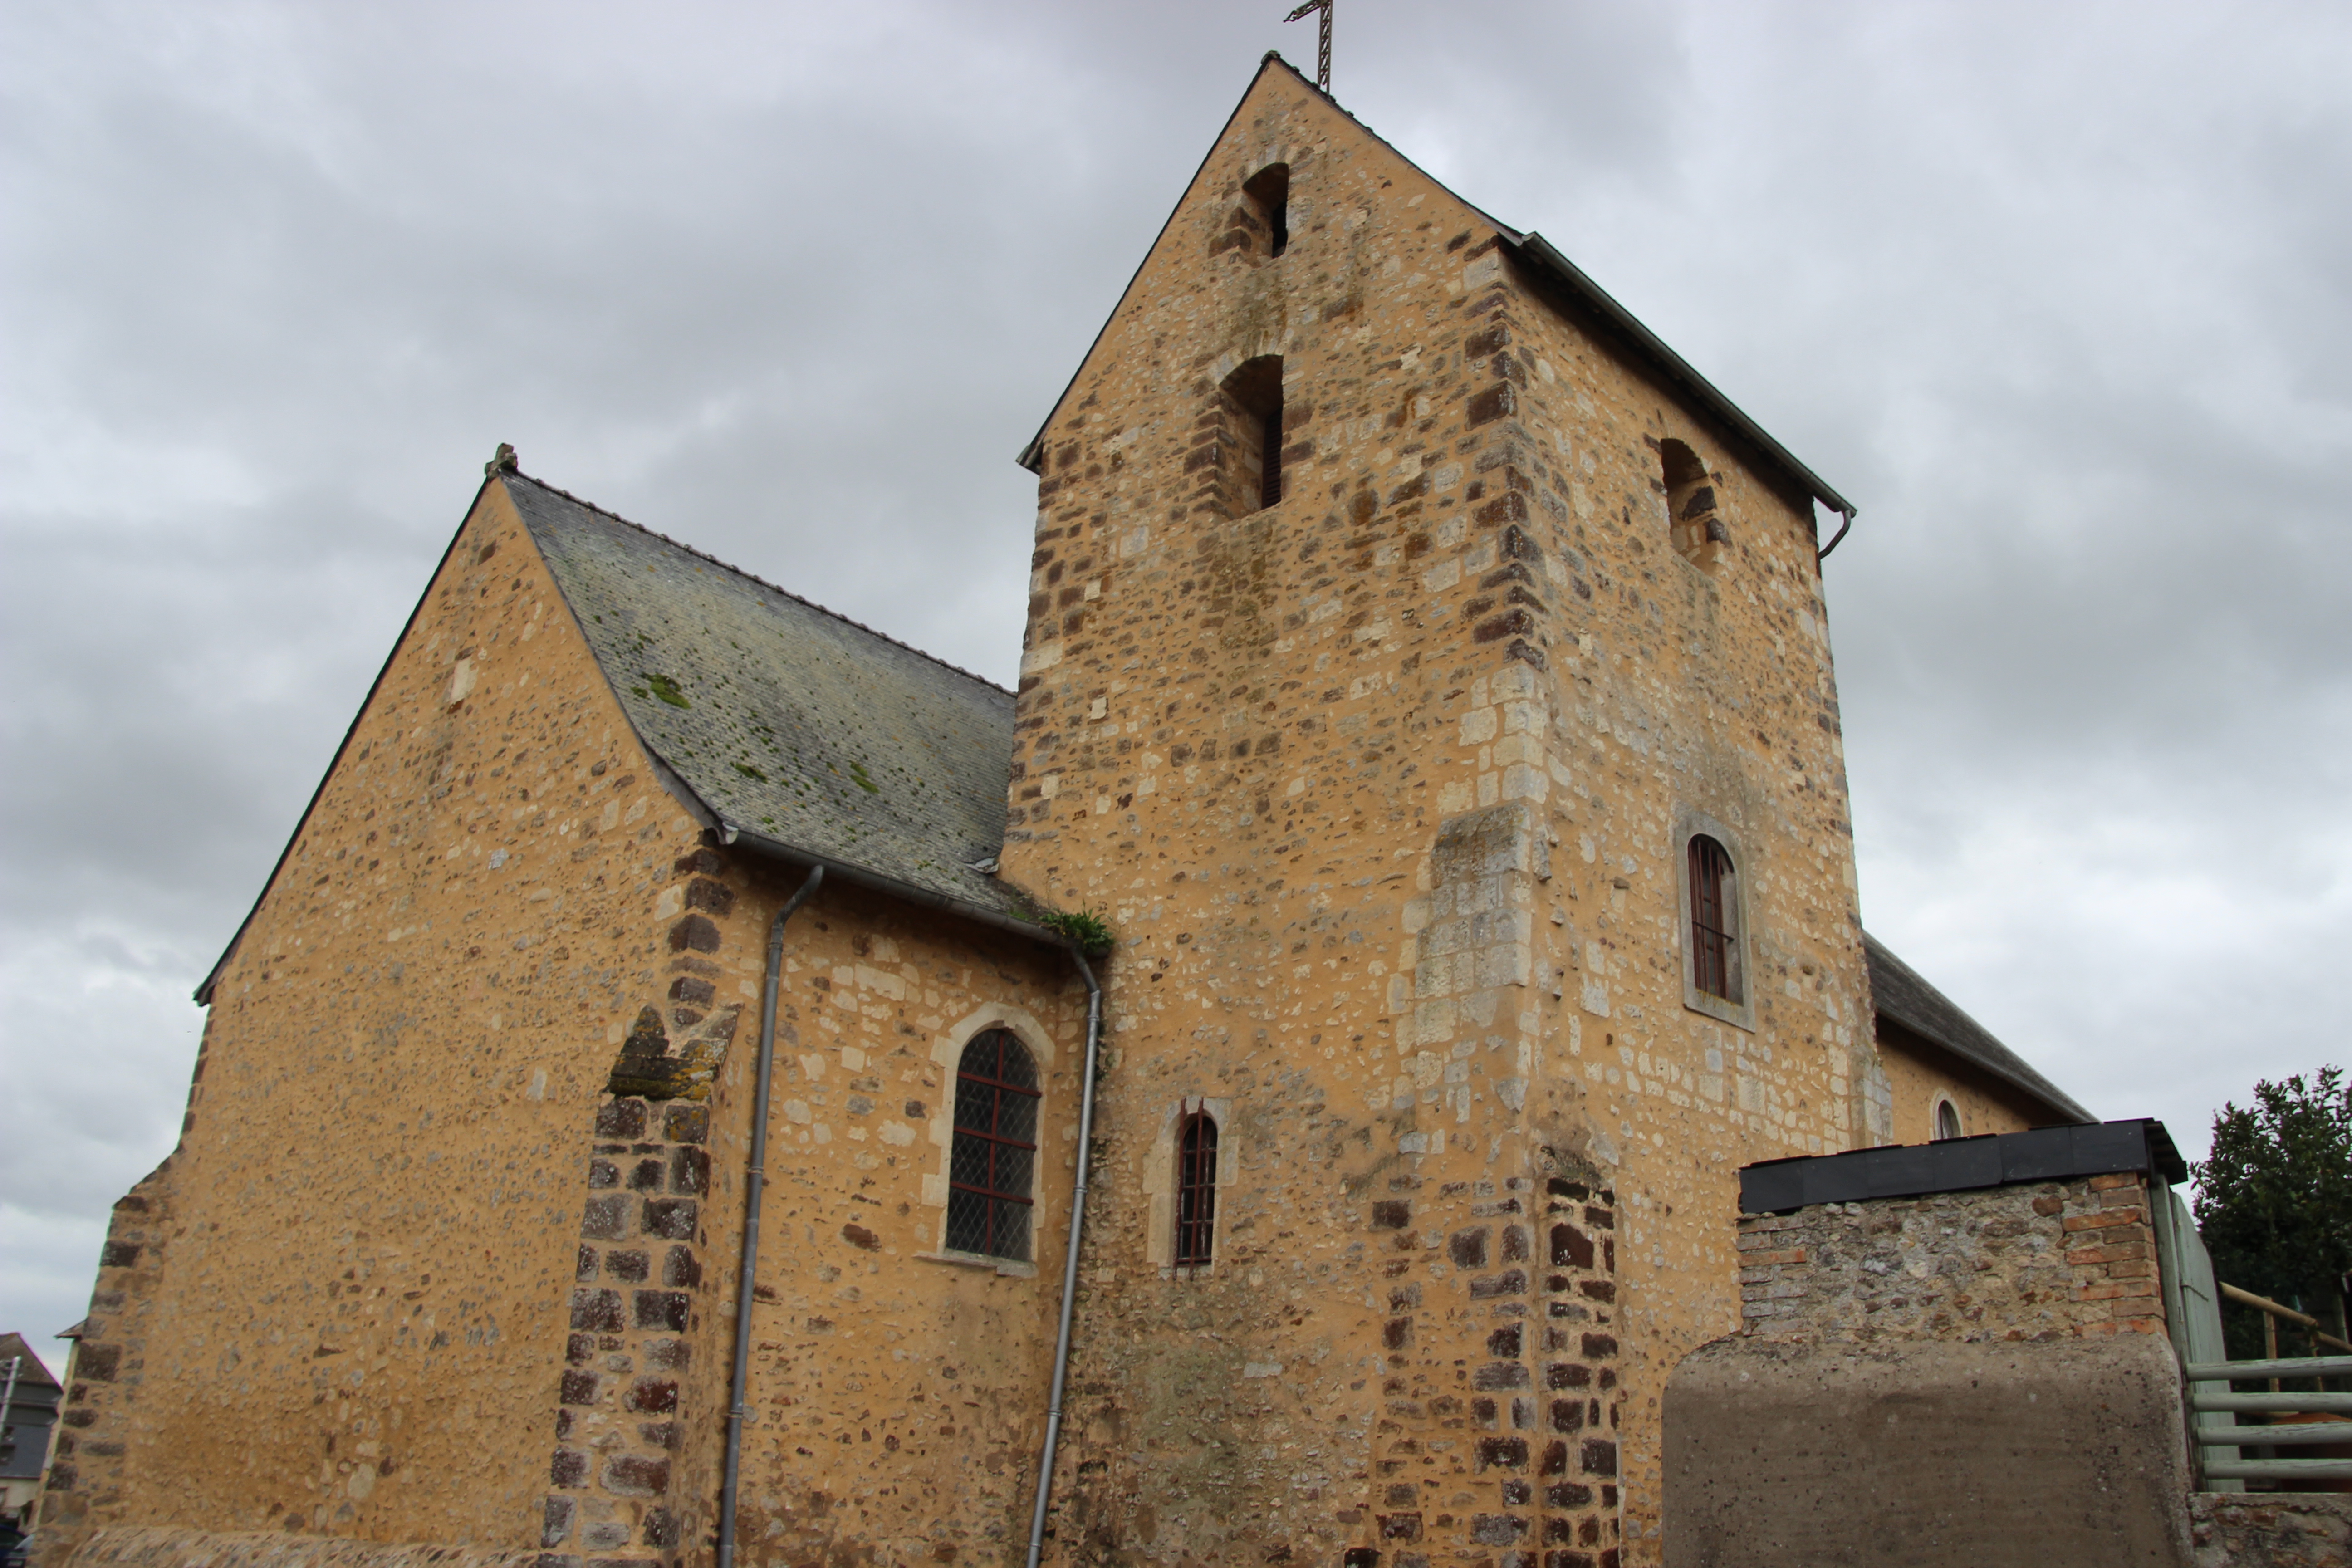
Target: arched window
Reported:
point(1196, 1188)
point(994, 1157)
point(1715, 919)
point(1947, 1121)
point(1249, 404)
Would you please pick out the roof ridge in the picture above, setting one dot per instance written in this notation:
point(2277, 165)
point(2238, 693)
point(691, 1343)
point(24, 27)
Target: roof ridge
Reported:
point(755, 577)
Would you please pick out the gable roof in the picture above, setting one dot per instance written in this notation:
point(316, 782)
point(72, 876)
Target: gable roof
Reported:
point(797, 729)
point(811, 702)
point(1538, 255)
point(1897, 991)
point(31, 1372)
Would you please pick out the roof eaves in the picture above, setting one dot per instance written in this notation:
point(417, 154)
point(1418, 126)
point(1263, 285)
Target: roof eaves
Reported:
point(2015, 1070)
point(2028, 1083)
point(1538, 252)
point(776, 849)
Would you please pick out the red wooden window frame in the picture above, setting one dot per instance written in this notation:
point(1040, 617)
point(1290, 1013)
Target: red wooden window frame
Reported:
point(993, 1161)
point(1196, 1189)
point(1711, 917)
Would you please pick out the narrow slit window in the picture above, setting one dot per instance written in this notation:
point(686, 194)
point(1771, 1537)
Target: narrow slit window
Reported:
point(1196, 1189)
point(1947, 1121)
point(1714, 919)
point(1251, 404)
point(1268, 195)
point(1694, 518)
point(992, 1162)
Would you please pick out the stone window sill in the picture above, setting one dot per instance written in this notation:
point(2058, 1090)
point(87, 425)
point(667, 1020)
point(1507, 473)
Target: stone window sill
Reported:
point(1738, 1015)
point(1006, 1268)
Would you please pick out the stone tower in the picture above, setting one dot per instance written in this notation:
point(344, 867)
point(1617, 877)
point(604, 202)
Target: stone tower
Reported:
point(1402, 612)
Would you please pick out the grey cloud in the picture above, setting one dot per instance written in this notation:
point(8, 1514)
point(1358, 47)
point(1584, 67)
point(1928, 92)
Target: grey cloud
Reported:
point(2064, 297)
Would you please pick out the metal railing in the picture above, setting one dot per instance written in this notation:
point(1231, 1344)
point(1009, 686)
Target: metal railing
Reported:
point(2297, 1435)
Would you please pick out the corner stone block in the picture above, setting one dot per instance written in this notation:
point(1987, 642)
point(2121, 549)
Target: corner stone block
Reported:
point(659, 1310)
point(597, 1311)
point(672, 1219)
point(631, 1475)
point(1786, 1454)
point(621, 1118)
point(605, 1218)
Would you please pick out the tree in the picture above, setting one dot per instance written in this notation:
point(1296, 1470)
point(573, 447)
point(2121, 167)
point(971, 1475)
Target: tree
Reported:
point(2274, 1201)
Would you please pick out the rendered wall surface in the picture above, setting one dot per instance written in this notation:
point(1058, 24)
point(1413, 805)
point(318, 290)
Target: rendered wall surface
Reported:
point(1384, 788)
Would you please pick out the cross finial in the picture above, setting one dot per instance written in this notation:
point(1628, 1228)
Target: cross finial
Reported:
point(1322, 41)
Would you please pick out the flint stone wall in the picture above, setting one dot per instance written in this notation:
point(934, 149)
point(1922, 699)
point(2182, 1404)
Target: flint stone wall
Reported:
point(2036, 1261)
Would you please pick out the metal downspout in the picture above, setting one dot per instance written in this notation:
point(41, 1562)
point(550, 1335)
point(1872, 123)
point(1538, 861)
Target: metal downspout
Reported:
point(1823, 553)
point(755, 1177)
point(1069, 1264)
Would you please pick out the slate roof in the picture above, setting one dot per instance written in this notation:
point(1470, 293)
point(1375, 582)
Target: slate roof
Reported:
point(790, 724)
point(1897, 991)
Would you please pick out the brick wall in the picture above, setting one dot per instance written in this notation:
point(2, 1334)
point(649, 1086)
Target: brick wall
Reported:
point(2034, 1261)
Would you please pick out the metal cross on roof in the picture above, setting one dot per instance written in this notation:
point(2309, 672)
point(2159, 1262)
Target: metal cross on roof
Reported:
point(1322, 41)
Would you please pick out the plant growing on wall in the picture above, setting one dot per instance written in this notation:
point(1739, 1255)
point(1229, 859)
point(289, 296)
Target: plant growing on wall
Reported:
point(2274, 1201)
point(1086, 928)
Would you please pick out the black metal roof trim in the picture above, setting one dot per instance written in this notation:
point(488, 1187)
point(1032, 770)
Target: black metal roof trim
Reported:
point(1962, 1165)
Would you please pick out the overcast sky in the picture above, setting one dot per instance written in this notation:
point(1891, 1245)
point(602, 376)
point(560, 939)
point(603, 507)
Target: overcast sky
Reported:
point(2061, 295)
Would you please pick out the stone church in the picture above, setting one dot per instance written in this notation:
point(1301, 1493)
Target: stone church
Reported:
point(645, 1117)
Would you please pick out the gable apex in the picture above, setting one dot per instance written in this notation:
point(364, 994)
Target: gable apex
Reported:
point(1536, 258)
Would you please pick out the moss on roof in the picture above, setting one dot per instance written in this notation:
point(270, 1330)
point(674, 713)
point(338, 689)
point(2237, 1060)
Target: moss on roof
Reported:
point(788, 721)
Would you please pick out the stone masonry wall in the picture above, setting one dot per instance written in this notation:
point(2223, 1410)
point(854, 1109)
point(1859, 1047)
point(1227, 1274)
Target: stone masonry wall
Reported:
point(86, 1487)
point(373, 1200)
point(633, 1313)
point(1919, 1073)
point(1384, 787)
point(2036, 1261)
point(442, 1239)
